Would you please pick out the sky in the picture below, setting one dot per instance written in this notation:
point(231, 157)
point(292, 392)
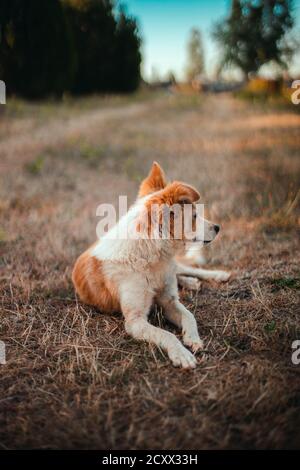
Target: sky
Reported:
point(165, 27)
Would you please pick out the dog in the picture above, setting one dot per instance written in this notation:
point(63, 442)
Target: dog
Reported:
point(131, 274)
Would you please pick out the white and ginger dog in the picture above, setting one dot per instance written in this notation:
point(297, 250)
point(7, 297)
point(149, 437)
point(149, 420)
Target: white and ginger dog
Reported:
point(131, 274)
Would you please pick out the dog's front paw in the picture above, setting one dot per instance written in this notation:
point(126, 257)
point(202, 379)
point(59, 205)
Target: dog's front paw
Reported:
point(221, 276)
point(181, 357)
point(193, 342)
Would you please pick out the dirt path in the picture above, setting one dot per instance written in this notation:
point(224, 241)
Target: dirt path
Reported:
point(26, 143)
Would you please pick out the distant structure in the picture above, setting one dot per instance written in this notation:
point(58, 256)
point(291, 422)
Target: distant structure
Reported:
point(2, 92)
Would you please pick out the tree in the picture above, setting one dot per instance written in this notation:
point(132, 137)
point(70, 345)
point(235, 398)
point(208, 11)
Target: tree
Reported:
point(107, 46)
point(171, 77)
point(36, 54)
point(83, 46)
point(254, 32)
point(128, 56)
point(195, 51)
point(93, 29)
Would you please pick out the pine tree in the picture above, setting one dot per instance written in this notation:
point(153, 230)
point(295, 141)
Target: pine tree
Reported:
point(83, 46)
point(107, 45)
point(128, 56)
point(36, 55)
point(93, 27)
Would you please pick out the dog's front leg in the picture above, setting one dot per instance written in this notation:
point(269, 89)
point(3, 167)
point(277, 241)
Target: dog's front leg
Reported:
point(135, 307)
point(180, 316)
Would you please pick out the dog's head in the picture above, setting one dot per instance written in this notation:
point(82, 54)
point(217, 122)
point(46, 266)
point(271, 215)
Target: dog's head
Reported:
point(177, 214)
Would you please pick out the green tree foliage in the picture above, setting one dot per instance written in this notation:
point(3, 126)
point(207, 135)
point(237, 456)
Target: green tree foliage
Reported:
point(107, 45)
point(195, 51)
point(83, 46)
point(93, 28)
point(254, 32)
point(36, 55)
point(128, 56)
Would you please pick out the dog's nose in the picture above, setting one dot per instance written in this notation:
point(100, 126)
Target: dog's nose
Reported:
point(217, 228)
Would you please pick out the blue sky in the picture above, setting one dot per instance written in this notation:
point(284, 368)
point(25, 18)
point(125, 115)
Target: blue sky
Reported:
point(165, 26)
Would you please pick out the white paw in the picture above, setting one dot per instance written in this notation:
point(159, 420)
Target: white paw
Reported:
point(221, 276)
point(189, 282)
point(181, 357)
point(193, 342)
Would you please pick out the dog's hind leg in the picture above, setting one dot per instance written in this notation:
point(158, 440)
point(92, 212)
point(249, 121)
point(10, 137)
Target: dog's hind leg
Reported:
point(135, 309)
point(200, 273)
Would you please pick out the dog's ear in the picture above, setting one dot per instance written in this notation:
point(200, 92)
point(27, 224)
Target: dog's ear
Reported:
point(179, 193)
point(155, 181)
point(163, 205)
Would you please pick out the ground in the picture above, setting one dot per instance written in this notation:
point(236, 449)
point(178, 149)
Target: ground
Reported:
point(73, 378)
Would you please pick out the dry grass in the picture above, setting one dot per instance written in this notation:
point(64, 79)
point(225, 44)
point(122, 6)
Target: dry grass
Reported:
point(73, 379)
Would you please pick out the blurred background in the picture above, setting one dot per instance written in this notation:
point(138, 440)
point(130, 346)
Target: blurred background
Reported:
point(59, 47)
point(95, 91)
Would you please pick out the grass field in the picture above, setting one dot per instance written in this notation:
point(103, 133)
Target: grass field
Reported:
point(73, 378)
